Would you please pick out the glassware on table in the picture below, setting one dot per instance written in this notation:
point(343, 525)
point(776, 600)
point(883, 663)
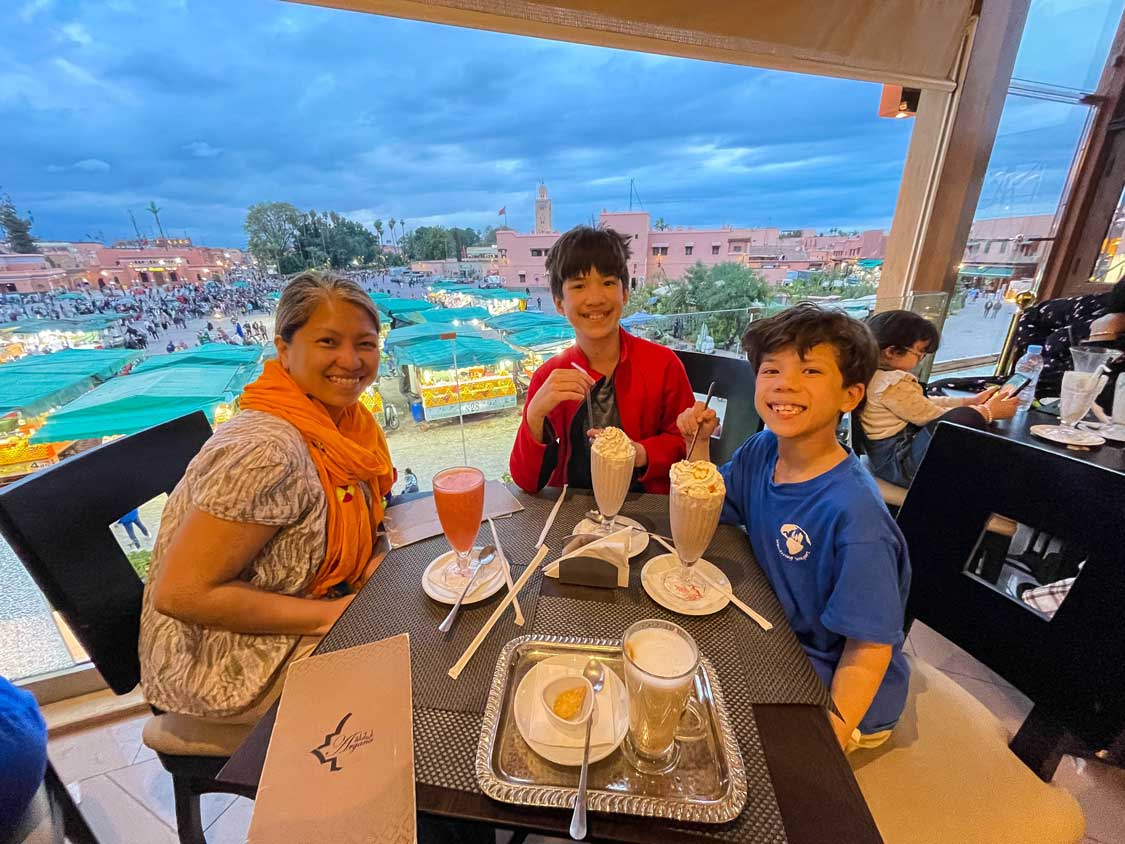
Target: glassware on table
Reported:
point(459, 499)
point(1079, 390)
point(695, 502)
point(612, 461)
point(660, 662)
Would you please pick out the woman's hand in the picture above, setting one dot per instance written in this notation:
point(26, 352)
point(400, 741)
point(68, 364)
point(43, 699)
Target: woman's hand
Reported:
point(333, 609)
point(981, 397)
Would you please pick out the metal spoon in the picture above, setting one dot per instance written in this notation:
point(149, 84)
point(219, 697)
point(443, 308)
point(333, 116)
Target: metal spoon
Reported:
point(486, 555)
point(595, 673)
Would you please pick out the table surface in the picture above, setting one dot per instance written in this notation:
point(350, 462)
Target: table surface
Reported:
point(1111, 455)
point(817, 795)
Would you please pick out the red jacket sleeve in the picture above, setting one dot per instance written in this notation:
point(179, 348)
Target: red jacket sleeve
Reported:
point(667, 447)
point(526, 462)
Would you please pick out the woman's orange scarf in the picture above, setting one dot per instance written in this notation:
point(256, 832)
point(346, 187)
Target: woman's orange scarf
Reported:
point(345, 454)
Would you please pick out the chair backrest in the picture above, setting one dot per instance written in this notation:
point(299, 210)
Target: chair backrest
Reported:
point(1071, 666)
point(58, 522)
point(734, 381)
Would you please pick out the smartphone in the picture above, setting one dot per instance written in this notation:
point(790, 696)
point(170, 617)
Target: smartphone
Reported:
point(1014, 384)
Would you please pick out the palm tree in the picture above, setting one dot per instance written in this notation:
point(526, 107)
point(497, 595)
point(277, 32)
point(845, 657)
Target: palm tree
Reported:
point(391, 222)
point(154, 211)
point(378, 226)
point(660, 225)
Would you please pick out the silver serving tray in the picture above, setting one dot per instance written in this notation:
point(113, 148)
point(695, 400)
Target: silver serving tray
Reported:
point(708, 785)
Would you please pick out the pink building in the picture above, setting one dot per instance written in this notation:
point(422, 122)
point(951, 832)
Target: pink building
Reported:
point(660, 255)
point(29, 274)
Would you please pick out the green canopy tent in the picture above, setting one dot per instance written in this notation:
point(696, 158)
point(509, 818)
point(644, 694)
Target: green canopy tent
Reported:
point(446, 315)
point(34, 384)
point(413, 334)
point(543, 337)
point(495, 295)
point(209, 353)
point(138, 401)
point(380, 297)
point(987, 271)
point(445, 287)
point(70, 296)
point(394, 306)
point(523, 320)
point(471, 351)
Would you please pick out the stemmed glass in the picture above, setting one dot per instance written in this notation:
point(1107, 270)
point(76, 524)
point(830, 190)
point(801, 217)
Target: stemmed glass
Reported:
point(611, 481)
point(459, 498)
point(694, 520)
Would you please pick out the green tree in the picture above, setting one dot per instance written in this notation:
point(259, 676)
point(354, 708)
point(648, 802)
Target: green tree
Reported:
point(17, 228)
point(271, 231)
point(488, 236)
point(660, 225)
point(378, 226)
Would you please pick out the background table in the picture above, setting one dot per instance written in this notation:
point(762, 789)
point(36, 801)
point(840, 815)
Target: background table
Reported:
point(1111, 455)
point(816, 794)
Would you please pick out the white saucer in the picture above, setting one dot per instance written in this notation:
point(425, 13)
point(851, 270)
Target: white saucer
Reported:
point(652, 579)
point(487, 585)
point(1108, 430)
point(1067, 436)
point(638, 540)
point(572, 756)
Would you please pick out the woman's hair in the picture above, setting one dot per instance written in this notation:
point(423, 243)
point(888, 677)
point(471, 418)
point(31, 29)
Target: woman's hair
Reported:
point(902, 329)
point(584, 248)
point(306, 291)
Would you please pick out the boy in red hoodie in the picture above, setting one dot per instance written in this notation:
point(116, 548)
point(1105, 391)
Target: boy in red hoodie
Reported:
point(634, 385)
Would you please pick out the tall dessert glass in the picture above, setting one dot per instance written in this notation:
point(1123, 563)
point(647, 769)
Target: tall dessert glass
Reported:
point(695, 502)
point(459, 498)
point(660, 662)
point(611, 470)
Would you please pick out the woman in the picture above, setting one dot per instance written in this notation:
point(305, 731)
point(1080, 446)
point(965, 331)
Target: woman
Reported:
point(275, 518)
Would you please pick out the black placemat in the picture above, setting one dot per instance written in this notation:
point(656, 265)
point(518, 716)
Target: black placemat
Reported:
point(775, 666)
point(393, 602)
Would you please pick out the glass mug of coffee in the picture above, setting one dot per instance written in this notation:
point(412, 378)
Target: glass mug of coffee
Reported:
point(660, 661)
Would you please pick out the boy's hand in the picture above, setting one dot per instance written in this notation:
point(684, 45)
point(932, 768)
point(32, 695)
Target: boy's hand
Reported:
point(561, 385)
point(640, 454)
point(697, 418)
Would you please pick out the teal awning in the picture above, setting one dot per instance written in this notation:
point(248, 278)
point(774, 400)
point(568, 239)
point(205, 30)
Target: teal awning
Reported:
point(134, 402)
point(543, 337)
point(376, 297)
point(34, 384)
point(987, 271)
point(869, 263)
point(438, 354)
point(207, 354)
point(495, 293)
point(446, 287)
point(447, 315)
point(412, 334)
point(523, 320)
point(74, 325)
point(393, 306)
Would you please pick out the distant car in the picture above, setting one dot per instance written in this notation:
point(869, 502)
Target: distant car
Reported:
point(492, 283)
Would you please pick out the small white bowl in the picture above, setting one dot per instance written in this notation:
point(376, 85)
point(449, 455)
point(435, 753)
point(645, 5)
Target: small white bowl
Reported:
point(556, 687)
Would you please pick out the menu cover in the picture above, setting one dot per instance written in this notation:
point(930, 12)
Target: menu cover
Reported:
point(340, 763)
point(416, 520)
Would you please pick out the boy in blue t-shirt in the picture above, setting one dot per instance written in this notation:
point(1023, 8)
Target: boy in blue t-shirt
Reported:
point(814, 517)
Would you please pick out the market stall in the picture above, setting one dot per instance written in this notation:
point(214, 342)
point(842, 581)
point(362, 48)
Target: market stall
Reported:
point(467, 375)
point(51, 335)
point(538, 344)
point(498, 302)
point(394, 309)
point(449, 316)
point(411, 334)
point(522, 321)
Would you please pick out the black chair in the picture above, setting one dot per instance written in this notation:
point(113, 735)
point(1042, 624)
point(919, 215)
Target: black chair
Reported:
point(1069, 664)
point(734, 381)
point(58, 523)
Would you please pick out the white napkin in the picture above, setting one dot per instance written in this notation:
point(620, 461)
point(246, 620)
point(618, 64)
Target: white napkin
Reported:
point(613, 548)
point(545, 730)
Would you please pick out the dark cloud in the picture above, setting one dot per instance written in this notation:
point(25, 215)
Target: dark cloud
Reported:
point(207, 106)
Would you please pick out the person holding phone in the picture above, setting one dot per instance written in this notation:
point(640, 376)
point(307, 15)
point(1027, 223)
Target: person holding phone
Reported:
point(897, 418)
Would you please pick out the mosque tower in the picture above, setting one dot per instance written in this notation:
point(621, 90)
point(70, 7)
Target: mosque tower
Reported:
point(543, 211)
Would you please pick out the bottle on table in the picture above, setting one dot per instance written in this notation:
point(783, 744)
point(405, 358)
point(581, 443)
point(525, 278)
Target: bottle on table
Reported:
point(1029, 364)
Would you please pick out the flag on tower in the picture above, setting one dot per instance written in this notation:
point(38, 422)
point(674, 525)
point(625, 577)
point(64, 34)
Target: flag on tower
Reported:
point(502, 211)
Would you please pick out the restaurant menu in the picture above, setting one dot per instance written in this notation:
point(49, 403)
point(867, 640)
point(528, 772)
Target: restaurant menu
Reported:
point(416, 520)
point(340, 763)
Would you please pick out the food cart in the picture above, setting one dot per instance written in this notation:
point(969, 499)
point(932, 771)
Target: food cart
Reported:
point(463, 376)
point(538, 344)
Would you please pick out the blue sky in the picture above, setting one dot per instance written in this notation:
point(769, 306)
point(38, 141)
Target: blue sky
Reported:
point(207, 106)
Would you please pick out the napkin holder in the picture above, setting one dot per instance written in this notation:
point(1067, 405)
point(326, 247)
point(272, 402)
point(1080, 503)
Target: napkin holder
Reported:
point(603, 563)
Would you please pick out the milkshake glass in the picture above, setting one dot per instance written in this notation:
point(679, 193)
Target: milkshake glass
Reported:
point(695, 502)
point(611, 470)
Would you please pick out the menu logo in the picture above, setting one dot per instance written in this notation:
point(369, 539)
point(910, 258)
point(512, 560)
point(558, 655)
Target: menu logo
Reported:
point(338, 743)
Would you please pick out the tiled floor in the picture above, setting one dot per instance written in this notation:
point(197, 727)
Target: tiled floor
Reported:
point(127, 795)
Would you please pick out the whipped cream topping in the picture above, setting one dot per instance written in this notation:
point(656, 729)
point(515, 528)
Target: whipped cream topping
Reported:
point(697, 478)
point(613, 444)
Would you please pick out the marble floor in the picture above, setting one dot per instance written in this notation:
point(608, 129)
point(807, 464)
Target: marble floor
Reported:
point(127, 796)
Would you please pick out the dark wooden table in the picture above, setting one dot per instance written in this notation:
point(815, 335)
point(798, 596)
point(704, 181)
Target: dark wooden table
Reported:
point(1111, 455)
point(817, 794)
